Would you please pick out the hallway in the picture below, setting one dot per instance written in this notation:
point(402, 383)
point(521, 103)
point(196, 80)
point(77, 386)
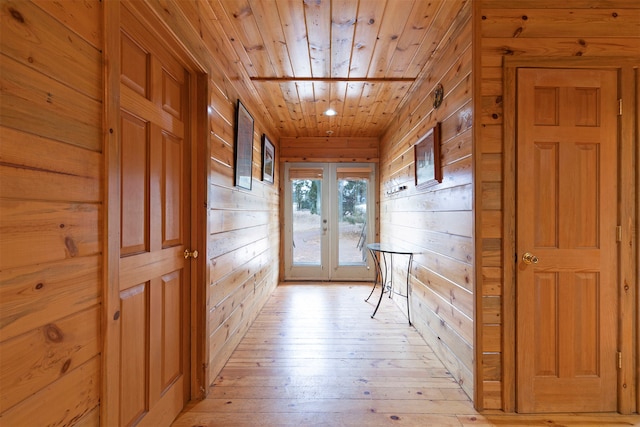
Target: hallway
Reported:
point(314, 357)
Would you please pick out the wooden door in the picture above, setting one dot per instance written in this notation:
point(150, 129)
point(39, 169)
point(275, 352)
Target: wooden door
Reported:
point(154, 280)
point(566, 218)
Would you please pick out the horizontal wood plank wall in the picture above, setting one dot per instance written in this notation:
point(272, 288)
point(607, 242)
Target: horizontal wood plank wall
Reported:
point(243, 242)
point(526, 28)
point(51, 212)
point(337, 149)
point(438, 219)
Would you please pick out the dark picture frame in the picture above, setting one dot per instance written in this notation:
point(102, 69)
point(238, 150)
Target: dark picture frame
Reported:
point(428, 167)
point(243, 147)
point(268, 159)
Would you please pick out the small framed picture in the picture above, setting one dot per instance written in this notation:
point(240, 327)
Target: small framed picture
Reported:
point(428, 167)
point(243, 147)
point(268, 159)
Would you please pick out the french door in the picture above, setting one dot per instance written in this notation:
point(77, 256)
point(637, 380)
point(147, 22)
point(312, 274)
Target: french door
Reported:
point(329, 219)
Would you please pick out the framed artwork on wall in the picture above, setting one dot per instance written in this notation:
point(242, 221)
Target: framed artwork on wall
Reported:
point(268, 159)
point(243, 147)
point(428, 168)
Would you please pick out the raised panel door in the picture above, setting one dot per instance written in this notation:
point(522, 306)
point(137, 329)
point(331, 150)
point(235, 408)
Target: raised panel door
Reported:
point(566, 219)
point(154, 280)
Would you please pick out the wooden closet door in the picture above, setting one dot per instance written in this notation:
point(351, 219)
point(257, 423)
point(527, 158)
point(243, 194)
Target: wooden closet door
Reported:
point(566, 218)
point(154, 283)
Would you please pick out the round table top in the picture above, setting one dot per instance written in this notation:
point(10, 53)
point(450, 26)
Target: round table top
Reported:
point(391, 248)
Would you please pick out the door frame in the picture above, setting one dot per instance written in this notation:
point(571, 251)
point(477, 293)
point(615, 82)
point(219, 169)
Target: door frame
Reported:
point(628, 263)
point(198, 135)
point(329, 189)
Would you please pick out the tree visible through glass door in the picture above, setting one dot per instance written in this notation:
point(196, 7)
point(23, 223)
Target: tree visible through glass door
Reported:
point(328, 221)
point(307, 221)
point(352, 220)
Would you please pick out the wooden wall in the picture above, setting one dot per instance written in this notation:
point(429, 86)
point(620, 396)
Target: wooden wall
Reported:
point(330, 149)
point(50, 212)
point(439, 219)
point(244, 233)
point(527, 28)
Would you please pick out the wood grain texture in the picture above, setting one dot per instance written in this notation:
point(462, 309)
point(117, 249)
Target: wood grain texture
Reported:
point(63, 402)
point(39, 40)
point(39, 103)
point(330, 362)
point(588, 31)
point(50, 212)
point(242, 250)
point(242, 256)
point(325, 40)
point(53, 136)
point(34, 296)
point(309, 149)
point(629, 267)
point(57, 349)
point(314, 356)
point(443, 296)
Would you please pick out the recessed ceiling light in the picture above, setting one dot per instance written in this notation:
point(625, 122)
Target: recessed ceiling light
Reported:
point(330, 112)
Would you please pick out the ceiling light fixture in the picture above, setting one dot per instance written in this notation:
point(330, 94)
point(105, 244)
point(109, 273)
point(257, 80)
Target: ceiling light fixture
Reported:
point(330, 112)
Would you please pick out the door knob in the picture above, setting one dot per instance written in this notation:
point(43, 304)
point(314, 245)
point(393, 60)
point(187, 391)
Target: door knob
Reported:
point(529, 258)
point(188, 254)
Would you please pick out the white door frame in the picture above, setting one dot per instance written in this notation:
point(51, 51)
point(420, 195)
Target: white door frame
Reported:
point(328, 269)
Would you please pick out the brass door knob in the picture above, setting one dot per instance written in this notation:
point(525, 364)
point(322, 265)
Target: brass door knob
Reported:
point(529, 258)
point(189, 254)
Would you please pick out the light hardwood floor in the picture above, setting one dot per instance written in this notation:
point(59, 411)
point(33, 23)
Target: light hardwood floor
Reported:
point(314, 357)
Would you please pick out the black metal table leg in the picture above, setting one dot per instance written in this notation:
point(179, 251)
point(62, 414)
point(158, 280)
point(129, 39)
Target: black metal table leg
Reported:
point(375, 282)
point(408, 299)
point(383, 280)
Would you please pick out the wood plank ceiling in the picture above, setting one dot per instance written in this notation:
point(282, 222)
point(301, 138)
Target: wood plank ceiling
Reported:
point(359, 57)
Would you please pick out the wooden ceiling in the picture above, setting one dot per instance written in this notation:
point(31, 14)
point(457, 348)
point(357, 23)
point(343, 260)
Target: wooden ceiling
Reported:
point(359, 57)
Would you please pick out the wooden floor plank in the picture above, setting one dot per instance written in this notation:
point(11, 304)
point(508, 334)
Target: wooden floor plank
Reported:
point(315, 392)
point(332, 381)
point(315, 357)
point(312, 419)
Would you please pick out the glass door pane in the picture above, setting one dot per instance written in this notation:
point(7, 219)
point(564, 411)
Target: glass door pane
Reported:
point(307, 221)
point(352, 221)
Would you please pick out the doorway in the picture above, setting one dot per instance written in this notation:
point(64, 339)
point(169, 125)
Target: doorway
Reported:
point(566, 251)
point(329, 220)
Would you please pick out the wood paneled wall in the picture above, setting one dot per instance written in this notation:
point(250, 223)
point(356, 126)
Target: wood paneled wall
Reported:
point(528, 28)
point(52, 205)
point(51, 212)
point(336, 149)
point(438, 219)
point(243, 244)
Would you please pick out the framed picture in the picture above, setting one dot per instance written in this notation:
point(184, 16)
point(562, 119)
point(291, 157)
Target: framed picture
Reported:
point(243, 147)
point(268, 159)
point(427, 157)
